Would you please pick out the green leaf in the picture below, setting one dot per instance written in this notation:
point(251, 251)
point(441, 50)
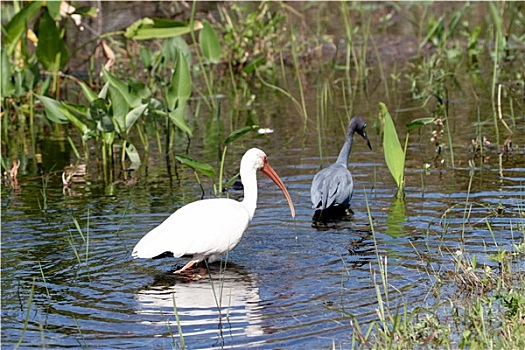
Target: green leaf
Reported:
point(8, 88)
point(134, 115)
point(172, 47)
point(417, 123)
point(180, 88)
point(55, 111)
point(19, 84)
point(131, 96)
point(146, 56)
point(54, 9)
point(147, 28)
point(31, 76)
point(89, 94)
point(104, 91)
point(58, 113)
point(177, 117)
point(16, 27)
point(133, 156)
point(394, 154)
point(119, 107)
point(204, 168)
point(210, 44)
point(239, 133)
point(78, 109)
point(50, 44)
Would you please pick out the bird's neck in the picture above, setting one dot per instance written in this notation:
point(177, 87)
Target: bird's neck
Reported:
point(345, 151)
point(249, 182)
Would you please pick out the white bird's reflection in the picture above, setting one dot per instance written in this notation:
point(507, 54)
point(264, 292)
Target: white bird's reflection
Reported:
point(227, 304)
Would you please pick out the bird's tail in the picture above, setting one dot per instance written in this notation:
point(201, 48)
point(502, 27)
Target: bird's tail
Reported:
point(323, 203)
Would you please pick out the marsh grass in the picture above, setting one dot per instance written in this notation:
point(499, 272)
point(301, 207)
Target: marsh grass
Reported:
point(85, 240)
point(179, 326)
point(468, 304)
point(28, 311)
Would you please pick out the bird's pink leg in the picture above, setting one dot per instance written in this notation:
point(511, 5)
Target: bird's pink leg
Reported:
point(187, 266)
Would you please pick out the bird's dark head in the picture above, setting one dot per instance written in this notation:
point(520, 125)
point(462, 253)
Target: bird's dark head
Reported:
point(358, 125)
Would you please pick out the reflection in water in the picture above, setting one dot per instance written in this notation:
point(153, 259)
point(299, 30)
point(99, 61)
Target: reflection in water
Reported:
point(396, 217)
point(224, 303)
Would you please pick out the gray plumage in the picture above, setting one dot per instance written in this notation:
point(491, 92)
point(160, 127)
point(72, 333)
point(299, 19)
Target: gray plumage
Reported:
point(333, 186)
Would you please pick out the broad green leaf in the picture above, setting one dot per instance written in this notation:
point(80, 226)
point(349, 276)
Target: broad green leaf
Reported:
point(203, 168)
point(133, 156)
point(146, 56)
point(8, 88)
point(119, 107)
point(180, 88)
point(417, 123)
point(239, 133)
point(210, 44)
point(147, 28)
point(394, 154)
point(142, 89)
point(55, 111)
point(18, 76)
point(50, 44)
point(89, 94)
point(58, 113)
point(54, 9)
point(78, 109)
point(16, 27)
point(31, 76)
point(131, 96)
point(172, 47)
point(177, 117)
point(104, 91)
point(134, 115)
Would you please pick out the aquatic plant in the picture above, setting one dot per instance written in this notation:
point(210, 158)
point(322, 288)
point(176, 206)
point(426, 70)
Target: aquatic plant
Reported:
point(394, 153)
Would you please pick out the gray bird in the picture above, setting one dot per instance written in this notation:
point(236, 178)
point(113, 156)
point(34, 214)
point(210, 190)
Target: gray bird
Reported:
point(332, 187)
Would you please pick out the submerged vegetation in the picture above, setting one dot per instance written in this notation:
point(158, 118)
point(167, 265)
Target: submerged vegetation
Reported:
point(124, 100)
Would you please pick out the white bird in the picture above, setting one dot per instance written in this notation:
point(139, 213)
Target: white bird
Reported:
point(209, 228)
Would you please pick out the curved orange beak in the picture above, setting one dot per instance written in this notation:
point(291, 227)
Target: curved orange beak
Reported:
point(268, 171)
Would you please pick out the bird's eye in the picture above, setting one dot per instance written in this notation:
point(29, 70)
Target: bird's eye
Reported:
point(265, 158)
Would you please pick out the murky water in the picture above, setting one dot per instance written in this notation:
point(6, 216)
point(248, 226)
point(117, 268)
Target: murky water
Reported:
point(289, 283)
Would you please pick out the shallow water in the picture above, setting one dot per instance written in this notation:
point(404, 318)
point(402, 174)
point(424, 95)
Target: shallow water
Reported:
point(289, 283)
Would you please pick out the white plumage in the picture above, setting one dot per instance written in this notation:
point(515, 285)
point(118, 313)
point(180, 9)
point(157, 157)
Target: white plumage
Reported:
point(207, 229)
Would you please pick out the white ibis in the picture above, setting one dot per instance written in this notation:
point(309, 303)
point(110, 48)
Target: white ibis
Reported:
point(209, 228)
point(333, 187)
